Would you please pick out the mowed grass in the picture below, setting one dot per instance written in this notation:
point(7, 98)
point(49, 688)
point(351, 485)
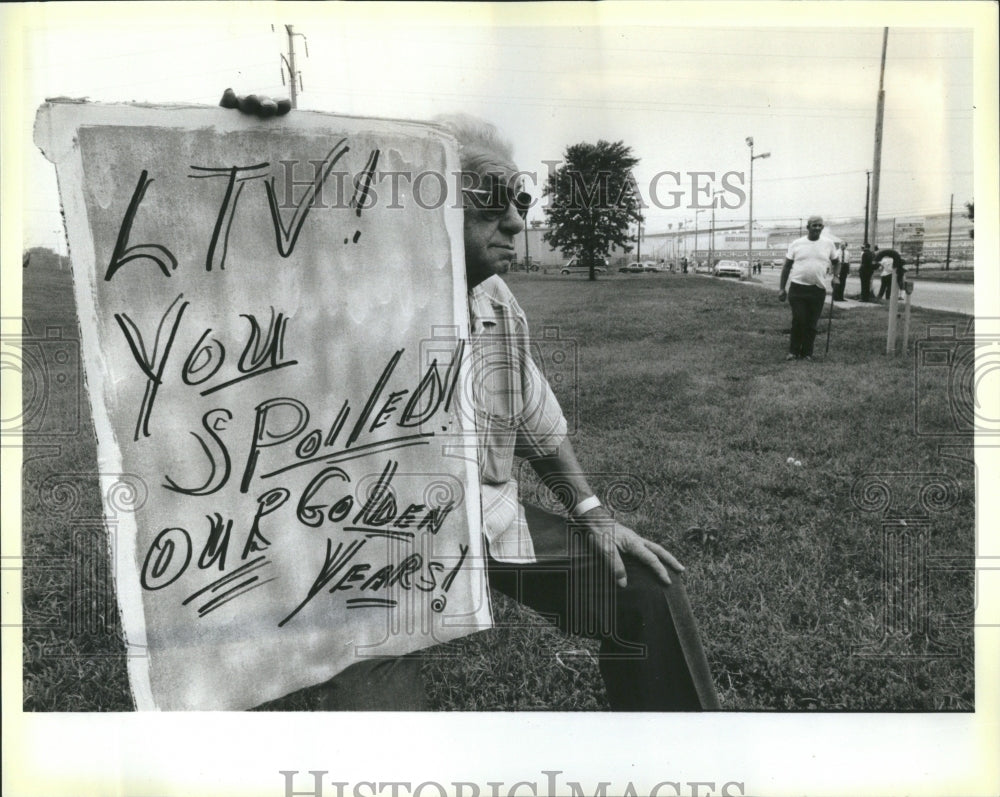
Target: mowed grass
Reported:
point(681, 394)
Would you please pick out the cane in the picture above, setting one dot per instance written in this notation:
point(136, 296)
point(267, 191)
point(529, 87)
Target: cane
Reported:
point(829, 325)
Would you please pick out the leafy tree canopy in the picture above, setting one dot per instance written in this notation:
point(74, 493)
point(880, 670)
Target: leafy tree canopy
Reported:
point(593, 198)
point(970, 208)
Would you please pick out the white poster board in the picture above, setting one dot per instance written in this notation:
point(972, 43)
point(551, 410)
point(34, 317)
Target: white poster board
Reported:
point(271, 327)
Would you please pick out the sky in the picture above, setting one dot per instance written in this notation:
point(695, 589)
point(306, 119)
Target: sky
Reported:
point(684, 93)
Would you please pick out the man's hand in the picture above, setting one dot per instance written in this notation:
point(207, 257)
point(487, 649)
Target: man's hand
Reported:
point(262, 107)
point(610, 546)
point(782, 295)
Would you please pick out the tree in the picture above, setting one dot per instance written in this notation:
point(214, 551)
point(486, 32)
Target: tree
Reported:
point(970, 214)
point(593, 199)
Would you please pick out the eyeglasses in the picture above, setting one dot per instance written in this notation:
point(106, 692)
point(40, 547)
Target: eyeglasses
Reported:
point(492, 203)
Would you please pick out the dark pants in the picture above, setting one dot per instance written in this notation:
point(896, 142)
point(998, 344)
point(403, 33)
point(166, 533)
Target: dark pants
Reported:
point(885, 290)
point(651, 658)
point(866, 282)
point(806, 302)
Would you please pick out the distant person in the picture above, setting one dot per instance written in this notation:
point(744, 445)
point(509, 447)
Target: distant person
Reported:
point(845, 269)
point(885, 272)
point(891, 261)
point(867, 269)
point(807, 263)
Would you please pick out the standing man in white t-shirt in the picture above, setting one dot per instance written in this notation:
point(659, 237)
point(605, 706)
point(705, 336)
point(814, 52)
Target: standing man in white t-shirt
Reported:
point(808, 262)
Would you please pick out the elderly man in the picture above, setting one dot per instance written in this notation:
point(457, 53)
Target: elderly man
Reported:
point(587, 573)
point(808, 262)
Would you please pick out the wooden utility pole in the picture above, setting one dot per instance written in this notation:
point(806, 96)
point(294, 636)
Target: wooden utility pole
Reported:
point(877, 161)
point(951, 213)
point(868, 196)
point(294, 77)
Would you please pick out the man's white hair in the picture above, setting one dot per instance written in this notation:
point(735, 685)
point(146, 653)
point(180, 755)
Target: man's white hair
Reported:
point(480, 144)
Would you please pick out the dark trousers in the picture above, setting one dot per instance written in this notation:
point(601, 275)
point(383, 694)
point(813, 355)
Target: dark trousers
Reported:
point(866, 282)
point(651, 658)
point(806, 302)
point(885, 290)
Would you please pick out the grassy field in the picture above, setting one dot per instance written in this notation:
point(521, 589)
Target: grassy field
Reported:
point(681, 390)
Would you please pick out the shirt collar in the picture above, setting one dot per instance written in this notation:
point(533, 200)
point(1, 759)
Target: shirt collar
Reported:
point(482, 309)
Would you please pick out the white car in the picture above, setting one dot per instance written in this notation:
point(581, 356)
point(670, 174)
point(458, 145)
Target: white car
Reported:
point(635, 267)
point(730, 268)
point(574, 266)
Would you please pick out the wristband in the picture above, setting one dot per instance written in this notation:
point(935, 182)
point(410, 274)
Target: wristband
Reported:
point(586, 505)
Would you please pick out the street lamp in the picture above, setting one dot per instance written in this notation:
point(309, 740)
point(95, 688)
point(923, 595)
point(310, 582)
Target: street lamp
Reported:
point(750, 225)
point(696, 214)
point(711, 237)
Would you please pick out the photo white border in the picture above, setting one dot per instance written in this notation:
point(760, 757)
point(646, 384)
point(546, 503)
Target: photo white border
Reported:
point(769, 754)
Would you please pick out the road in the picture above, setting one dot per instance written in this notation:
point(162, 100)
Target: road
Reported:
point(953, 297)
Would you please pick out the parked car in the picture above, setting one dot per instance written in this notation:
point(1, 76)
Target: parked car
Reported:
point(730, 268)
point(651, 266)
point(575, 266)
point(635, 267)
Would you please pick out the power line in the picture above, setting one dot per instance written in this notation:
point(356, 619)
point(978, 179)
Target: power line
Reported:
point(177, 77)
point(547, 46)
point(132, 54)
point(644, 105)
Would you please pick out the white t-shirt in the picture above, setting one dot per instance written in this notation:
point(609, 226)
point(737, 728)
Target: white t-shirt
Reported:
point(811, 261)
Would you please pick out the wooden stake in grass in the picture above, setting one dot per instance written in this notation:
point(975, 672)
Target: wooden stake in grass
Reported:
point(908, 289)
point(890, 343)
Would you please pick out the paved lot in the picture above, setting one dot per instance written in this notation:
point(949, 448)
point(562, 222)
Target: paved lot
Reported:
point(949, 296)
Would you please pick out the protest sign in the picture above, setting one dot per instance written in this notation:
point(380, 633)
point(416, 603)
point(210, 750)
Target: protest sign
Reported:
point(272, 315)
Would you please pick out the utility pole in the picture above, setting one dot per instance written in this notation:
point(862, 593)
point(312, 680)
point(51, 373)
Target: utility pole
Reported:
point(711, 237)
point(638, 241)
point(753, 157)
point(877, 161)
point(527, 257)
point(951, 213)
point(868, 196)
point(696, 214)
point(294, 77)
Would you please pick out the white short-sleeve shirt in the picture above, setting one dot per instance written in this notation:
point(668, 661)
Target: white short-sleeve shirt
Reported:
point(811, 261)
